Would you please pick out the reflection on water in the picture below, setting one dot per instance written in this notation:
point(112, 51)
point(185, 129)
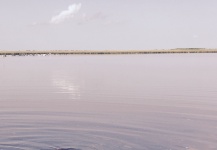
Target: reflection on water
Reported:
point(110, 102)
point(66, 84)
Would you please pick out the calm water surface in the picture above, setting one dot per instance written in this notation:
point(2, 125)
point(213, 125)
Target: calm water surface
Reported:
point(109, 102)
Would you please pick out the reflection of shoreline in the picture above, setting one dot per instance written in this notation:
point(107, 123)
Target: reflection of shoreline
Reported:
point(100, 52)
point(66, 85)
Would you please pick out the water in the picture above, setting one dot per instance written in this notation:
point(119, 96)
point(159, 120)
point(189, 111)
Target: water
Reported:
point(109, 102)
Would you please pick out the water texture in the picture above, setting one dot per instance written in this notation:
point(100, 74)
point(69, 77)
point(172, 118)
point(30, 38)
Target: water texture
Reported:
point(109, 102)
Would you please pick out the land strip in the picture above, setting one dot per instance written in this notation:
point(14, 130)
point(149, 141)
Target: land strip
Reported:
point(101, 52)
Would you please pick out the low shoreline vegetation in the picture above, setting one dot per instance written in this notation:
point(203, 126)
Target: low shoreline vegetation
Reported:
point(102, 52)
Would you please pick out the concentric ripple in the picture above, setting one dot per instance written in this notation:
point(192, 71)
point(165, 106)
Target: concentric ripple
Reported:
point(50, 134)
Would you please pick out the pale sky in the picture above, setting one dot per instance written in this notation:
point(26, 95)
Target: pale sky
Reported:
point(107, 24)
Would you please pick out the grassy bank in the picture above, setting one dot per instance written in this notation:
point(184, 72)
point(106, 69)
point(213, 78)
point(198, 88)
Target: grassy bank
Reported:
point(101, 52)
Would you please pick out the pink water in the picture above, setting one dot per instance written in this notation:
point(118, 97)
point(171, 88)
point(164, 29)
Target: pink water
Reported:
point(109, 102)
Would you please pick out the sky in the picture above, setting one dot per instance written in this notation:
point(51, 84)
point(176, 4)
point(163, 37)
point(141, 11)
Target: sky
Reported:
point(107, 24)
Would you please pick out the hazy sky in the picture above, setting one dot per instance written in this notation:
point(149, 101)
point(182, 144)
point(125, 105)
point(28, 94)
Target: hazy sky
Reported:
point(107, 24)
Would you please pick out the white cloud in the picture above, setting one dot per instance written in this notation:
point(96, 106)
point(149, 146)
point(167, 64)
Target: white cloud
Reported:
point(66, 14)
point(99, 16)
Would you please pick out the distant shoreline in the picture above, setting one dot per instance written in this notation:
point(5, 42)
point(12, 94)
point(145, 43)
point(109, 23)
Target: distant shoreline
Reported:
point(102, 52)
